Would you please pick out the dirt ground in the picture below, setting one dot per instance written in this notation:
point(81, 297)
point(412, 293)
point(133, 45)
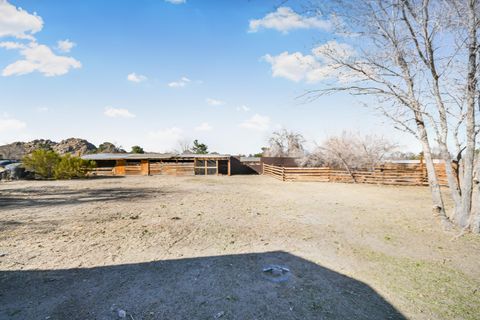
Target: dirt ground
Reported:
point(197, 247)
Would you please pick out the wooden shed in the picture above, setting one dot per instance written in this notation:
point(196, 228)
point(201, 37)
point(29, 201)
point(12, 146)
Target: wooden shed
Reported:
point(126, 164)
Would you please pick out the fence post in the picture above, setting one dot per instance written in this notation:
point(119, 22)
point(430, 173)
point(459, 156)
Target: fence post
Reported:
point(424, 172)
point(283, 173)
point(383, 174)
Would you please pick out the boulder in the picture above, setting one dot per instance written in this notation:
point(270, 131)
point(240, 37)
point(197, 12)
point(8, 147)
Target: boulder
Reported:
point(74, 146)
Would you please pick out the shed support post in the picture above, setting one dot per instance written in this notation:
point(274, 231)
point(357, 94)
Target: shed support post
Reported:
point(119, 169)
point(229, 167)
point(145, 167)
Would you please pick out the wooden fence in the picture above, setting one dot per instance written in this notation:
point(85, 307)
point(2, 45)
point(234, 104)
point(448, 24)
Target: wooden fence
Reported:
point(388, 174)
point(145, 168)
point(133, 168)
point(102, 171)
point(171, 168)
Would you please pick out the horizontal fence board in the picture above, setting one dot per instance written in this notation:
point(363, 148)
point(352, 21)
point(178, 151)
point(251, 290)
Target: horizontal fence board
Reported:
point(171, 168)
point(388, 174)
point(103, 171)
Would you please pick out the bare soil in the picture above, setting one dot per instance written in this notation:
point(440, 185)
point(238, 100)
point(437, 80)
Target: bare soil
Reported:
point(195, 248)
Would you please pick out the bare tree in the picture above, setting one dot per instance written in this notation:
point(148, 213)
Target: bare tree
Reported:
point(422, 20)
point(401, 155)
point(342, 151)
point(284, 143)
point(313, 159)
point(350, 152)
point(374, 150)
point(184, 146)
point(419, 58)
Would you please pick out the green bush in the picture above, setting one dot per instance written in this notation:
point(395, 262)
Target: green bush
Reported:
point(48, 164)
point(137, 149)
point(72, 167)
point(42, 162)
point(199, 148)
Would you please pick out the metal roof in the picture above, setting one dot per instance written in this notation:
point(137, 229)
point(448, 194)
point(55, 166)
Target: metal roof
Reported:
point(105, 156)
point(413, 161)
point(250, 159)
point(145, 156)
point(194, 155)
point(150, 155)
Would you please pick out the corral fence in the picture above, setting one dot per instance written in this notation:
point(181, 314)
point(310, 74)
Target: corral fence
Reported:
point(408, 174)
point(172, 169)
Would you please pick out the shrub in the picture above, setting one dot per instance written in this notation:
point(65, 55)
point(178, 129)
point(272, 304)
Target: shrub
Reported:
point(72, 167)
point(137, 149)
point(42, 162)
point(47, 164)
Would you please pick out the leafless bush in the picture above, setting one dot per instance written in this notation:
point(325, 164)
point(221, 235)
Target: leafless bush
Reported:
point(184, 146)
point(316, 158)
point(284, 143)
point(350, 152)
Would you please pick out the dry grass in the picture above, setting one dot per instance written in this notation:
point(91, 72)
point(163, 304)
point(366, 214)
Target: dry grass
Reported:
point(384, 237)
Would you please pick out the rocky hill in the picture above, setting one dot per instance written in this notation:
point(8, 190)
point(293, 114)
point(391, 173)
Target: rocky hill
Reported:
point(74, 146)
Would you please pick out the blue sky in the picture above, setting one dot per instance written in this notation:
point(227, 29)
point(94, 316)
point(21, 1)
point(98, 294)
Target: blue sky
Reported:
point(153, 72)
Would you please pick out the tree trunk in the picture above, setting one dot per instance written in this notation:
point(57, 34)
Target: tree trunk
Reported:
point(348, 170)
point(463, 216)
point(429, 59)
point(438, 207)
point(475, 217)
point(452, 178)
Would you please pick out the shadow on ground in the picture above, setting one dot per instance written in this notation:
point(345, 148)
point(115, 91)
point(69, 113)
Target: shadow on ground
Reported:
point(52, 196)
point(221, 287)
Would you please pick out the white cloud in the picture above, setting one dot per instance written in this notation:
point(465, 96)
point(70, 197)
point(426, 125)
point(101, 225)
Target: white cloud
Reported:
point(180, 83)
point(293, 66)
point(165, 139)
point(256, 122)
point(10, 45)
point(313, 67)
point(18, 23)
point(136, 77)
point(118, 113)
point(9, 124)
point(42, 109)
point(243, 108)
point(204, 126)
point(176, 1)
point(176, 84)
point(340, 50)
point(38, 57)
point(65, 45)
point(214, 102)
point(285, 19)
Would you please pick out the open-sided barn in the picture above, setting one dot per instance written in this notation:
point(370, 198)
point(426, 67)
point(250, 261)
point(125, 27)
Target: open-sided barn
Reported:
point(121, 164)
